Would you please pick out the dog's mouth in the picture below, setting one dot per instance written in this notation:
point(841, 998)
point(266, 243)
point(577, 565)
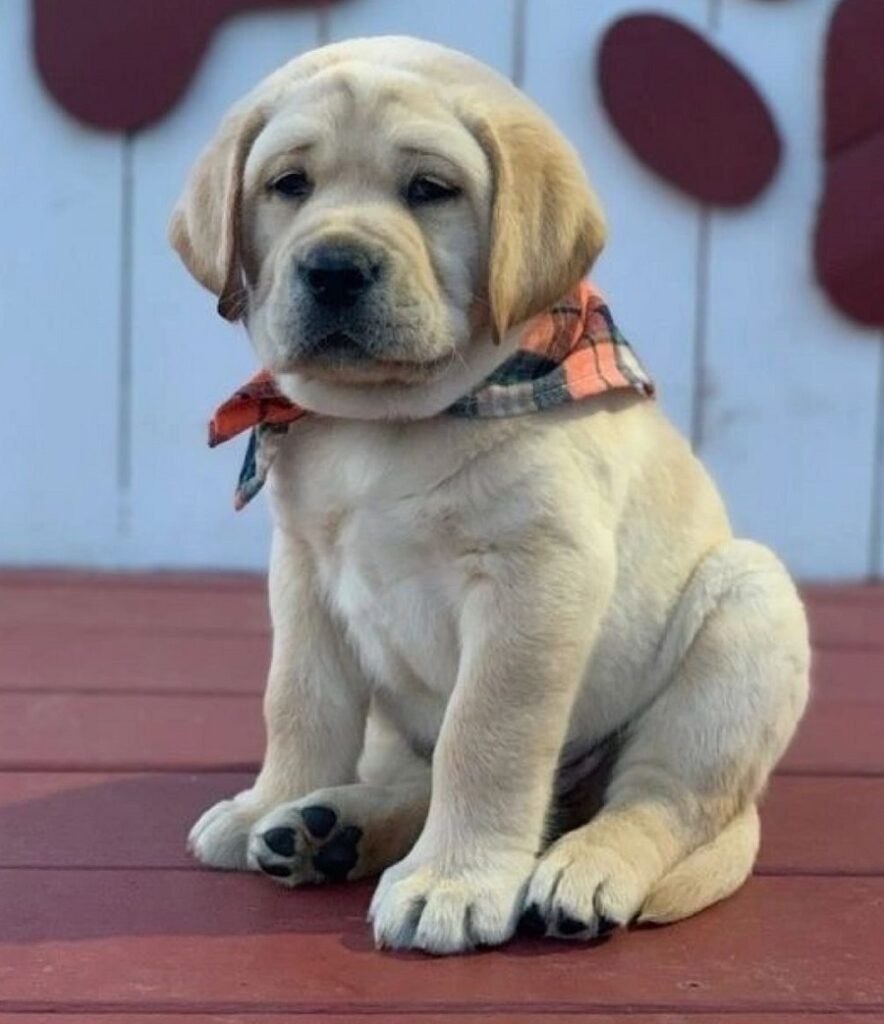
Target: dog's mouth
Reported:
point(337, 347)
point(342, 357)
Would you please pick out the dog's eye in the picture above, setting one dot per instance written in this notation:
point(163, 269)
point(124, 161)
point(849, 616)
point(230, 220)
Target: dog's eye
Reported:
point(424, 189)
point(291, 185)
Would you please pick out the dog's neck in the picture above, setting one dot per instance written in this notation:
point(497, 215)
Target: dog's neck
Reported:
point(570, 353)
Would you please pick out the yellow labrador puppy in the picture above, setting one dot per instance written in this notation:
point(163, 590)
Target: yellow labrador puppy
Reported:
point(520, 664)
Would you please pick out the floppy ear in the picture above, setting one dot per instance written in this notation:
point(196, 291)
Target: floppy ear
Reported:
point(546, 224)
point(205, 225)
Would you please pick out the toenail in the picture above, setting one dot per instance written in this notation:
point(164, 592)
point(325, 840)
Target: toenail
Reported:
point(531, 923)
point(319, 820)
point(605, 926)
point(277, 870)
point(280, 840)
point(567, 925)
point(339, 856)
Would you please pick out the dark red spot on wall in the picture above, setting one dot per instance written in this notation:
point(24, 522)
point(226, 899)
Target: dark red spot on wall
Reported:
point(686, 110)
point(120, 64)
point(849, 242)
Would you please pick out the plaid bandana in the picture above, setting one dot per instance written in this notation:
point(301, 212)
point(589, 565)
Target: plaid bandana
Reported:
point(572, 352)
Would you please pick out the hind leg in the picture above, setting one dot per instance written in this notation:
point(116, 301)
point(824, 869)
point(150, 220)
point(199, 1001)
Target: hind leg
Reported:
point(684, 786)
point(342, 833)
point(339, 834)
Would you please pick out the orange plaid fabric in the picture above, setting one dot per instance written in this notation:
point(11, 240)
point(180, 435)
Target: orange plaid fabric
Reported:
point(258, 401)
point(572, 352)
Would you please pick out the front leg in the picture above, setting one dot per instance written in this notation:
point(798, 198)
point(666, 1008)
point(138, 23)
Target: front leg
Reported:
point(314, 711)
point(527, 627)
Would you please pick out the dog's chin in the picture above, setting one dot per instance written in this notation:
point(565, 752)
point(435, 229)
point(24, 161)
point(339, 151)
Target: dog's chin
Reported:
point(339, 359)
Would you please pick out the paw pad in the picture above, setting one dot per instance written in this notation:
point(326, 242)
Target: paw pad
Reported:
point(276, 870)
point(281, 841)
point(319, 820)
point(337, 858)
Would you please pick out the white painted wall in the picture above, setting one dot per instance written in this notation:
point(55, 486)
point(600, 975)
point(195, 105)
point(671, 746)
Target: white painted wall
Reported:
point(103, 426)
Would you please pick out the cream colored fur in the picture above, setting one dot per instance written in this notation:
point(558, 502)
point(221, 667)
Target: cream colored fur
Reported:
point(456, 601)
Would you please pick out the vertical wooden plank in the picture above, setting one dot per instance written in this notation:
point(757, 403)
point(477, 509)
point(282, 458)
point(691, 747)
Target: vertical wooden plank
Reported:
point(185, 359)
point(789, 407)
point(59, 302)
point(484, 30)
point(876, 554)
point(649, 267)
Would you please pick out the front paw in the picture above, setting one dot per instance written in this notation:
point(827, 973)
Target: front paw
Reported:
point(220, 836)
point(440, 909)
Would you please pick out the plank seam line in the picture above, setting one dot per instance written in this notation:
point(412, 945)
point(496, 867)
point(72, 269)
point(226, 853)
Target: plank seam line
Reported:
point(64, 578)
point(254, 583)
point(154, 632)
point(97, 582)
point(323, 26)
point(866, 594)
point(701, 284)
point(124, 365)
point(263, 632)
point(422, 1008)
point(31, 768)
point(816, 873)
point(860, 646)
point(519, 16)
point(228, 633)
point(256, 691)
point(217, 628)
point(874, 554)
point(234, 700)
point(127, 691)
point(226, 582)
point(112, 770)
point(195, 866)
point(244, 768)
point(701, 294)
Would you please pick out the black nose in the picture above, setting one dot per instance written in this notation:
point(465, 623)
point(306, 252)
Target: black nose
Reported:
point(338, 275)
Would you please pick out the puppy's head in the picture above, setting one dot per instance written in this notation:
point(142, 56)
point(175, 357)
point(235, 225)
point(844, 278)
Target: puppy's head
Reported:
point(381, 212)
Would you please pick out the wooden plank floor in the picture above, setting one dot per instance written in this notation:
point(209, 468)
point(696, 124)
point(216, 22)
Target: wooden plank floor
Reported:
point(127, 704)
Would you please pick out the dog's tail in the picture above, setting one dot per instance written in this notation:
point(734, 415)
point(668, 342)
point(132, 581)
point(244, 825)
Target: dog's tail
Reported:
point(707, 875)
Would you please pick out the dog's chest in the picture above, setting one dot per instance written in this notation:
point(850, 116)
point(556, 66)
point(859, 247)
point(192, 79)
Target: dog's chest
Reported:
point(391, 586)
point(393, 550)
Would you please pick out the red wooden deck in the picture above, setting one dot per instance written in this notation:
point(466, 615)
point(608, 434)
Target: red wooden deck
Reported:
point(127, 704)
